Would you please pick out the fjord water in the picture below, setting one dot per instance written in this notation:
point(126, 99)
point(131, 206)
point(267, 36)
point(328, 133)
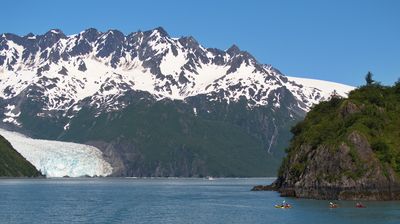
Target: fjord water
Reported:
point(125, 200)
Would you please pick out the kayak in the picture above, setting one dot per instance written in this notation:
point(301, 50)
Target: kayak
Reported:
point(333, 206)
point(359, 205)
point(283, 206)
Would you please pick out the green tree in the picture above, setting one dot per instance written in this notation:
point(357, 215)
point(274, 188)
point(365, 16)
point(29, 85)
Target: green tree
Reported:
point(397, 86)
point(397, 83)
point(368, 79)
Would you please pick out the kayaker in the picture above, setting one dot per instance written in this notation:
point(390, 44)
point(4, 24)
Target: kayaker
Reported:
point(286, 205)
point(359, 205)
point(283, 205)
point(332, 205)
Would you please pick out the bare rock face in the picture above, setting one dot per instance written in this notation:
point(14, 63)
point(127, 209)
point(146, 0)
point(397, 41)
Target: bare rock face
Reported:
point(349, 108)
point(263, 188)
point(349, 171)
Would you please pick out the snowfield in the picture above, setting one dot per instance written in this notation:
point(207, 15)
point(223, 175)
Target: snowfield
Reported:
point(326, 87)
point(59, 159)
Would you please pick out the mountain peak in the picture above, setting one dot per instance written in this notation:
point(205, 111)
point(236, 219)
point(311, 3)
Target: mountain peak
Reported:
point(161, 31)
point(90, 30)
point(29, 35)
point(189, 42)
point(90, 34)
point(233, 50)
point(10, 36)
point(55, 32)
point(113, 32)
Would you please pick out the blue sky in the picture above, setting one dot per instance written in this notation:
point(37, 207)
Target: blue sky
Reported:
point(336, 40)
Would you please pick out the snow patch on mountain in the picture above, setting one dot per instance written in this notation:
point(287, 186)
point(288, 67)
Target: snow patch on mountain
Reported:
point(11, 116)
point(59, 159)
point(324, 88)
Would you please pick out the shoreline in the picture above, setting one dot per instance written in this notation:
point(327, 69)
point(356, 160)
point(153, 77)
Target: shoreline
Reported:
point(341, 194)
point(134, 178)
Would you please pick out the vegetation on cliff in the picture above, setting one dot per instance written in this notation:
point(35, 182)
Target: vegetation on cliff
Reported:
point(347, 148)
point(12, 164)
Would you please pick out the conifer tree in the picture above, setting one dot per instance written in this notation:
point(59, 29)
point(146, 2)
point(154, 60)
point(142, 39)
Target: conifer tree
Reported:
point(368, 79)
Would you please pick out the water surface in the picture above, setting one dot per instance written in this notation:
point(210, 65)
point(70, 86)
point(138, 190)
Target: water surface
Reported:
point(123, 200)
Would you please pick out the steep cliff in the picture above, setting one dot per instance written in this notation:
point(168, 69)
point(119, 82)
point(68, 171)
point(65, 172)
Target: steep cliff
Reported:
point(346, 148)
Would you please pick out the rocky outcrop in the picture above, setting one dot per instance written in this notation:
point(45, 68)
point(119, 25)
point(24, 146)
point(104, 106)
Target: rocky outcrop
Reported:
point(348, 109)
point(264, 188)
point(350, 171)
point(346, 149)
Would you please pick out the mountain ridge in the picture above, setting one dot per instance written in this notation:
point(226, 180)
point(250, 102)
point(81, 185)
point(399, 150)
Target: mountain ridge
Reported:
point(178, 79)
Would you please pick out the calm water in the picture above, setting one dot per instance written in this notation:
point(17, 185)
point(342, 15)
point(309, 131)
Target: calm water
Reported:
point(170, 201)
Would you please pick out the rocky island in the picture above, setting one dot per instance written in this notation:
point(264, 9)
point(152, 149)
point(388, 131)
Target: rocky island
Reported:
point(346, 148)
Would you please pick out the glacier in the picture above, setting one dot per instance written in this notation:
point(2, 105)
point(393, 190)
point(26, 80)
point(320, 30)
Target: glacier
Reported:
point(59, 159)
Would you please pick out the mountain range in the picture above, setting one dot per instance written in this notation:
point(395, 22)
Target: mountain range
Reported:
point(153, 104)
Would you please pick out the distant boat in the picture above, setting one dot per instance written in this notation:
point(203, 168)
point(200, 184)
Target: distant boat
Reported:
point(210, 178)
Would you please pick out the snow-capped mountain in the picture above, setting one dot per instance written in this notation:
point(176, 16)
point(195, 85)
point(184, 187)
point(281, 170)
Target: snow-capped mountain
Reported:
point(50, 82)
point(102, 66)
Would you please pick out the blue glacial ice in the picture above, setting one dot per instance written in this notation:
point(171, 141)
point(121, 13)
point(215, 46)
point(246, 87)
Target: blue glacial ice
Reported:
point(59, 159)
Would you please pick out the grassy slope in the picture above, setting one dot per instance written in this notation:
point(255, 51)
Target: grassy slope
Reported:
point(12, 164)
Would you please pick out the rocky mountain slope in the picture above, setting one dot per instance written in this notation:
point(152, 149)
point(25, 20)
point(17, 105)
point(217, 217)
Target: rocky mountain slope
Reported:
point(347, 148)
point(12, 164)
point(77, 87)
